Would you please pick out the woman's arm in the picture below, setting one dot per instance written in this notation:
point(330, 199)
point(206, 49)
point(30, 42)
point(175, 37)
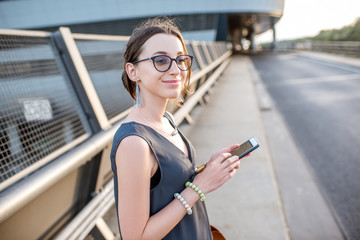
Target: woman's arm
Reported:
point(135, 165)
point(135, 162)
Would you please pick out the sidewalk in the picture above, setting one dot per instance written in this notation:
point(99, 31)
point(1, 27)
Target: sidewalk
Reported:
point(249, 205)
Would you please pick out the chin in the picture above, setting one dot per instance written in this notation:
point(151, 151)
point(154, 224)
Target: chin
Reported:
point(174, 95)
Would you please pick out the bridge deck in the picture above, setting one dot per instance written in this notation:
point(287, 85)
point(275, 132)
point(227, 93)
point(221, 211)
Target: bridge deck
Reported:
point(249, 205)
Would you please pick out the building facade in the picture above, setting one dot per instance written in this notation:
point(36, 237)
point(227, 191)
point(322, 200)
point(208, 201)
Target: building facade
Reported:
point(203, 20)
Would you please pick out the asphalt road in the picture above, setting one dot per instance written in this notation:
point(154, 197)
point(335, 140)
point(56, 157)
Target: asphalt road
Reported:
point(320, 103)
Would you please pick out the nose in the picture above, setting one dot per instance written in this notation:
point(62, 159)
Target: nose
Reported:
point(174, 69)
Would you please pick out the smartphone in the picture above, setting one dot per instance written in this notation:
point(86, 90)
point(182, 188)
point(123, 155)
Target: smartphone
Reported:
point(243, 150)
point(246, 148)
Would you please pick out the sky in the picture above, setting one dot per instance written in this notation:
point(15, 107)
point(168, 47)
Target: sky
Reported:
point(304, 18)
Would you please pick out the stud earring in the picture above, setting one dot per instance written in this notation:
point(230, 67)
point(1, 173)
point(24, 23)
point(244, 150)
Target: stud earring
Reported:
point(138, 102)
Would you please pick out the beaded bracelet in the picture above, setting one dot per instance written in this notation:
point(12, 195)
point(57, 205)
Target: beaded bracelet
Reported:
point(182, 200)
point(196, 189)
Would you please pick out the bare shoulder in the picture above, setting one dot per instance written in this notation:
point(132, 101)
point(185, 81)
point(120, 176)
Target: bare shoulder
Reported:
point(134, 151)
point(132, 145)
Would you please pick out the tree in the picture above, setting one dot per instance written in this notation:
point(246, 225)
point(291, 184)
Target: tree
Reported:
point(346, 33)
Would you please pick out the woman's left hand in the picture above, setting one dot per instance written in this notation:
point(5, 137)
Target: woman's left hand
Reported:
point(219, 169)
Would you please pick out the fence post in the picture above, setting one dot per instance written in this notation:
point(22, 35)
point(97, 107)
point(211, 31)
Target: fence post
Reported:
point(81, 79)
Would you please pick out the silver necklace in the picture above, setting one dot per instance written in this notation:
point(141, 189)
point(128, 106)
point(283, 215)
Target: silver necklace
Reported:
point(172, 133)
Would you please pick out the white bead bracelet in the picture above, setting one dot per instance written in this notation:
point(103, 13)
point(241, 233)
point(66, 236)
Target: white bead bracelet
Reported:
point(182, 200)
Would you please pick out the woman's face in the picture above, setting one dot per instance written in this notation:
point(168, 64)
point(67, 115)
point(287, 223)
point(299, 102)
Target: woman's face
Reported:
point(160, 85)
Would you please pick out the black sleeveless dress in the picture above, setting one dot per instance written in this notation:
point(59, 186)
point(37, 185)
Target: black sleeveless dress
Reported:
point(175, 169)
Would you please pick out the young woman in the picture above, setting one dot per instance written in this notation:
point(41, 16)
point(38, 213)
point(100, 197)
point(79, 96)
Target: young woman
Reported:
point(158, 193)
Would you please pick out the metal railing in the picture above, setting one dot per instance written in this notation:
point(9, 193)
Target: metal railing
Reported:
point(61, 101)
point(345, 48)
point(350, 49)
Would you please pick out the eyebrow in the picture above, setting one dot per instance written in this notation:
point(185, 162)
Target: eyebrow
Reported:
point(165, 53)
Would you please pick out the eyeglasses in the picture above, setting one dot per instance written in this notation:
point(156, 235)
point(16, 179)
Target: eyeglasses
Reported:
point(162, 63)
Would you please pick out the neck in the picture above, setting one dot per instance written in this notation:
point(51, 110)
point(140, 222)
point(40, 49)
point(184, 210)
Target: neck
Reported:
point(157, 125)
point(153, 113)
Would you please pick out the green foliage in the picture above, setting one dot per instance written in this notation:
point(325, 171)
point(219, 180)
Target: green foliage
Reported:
point(346, 33)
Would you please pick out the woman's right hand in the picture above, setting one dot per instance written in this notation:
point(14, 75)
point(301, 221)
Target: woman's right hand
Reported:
point(219, 169)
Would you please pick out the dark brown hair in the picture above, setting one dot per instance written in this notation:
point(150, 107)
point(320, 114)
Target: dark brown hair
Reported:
point(135, 44)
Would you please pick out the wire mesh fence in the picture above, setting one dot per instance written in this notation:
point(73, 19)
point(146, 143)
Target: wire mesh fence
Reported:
point(41, 113)
point(39, 110)
point(104, 62)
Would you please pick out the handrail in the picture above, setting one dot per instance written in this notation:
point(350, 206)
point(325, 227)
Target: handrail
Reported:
point(92, 37)
point(25, 33)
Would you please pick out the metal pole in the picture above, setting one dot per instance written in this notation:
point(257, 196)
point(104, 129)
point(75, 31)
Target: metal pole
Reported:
point(273, 47)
